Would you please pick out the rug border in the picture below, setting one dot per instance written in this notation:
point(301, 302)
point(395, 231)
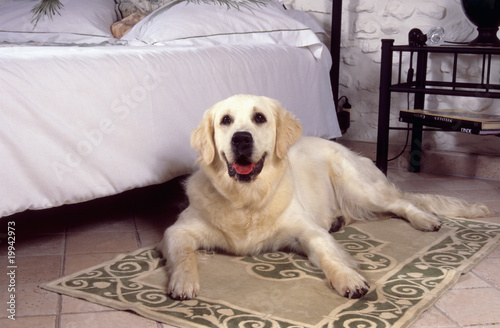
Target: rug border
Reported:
point(140, 309)
point(477, 258)
point(452, 277)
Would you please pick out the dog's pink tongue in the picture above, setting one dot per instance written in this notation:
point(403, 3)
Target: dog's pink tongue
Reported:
point(243, 169)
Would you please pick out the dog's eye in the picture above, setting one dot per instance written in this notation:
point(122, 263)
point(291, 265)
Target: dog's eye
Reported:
point(226, 120)
point(259, 118)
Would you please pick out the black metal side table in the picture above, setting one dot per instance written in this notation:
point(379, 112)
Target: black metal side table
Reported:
point(417, 83)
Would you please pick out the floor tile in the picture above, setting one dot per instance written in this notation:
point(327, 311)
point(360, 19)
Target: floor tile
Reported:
point(40, 244)
point(111, 222)
point(75, 305)
point(470, 280)
point(477, 306)
point(401, 175)
point(463, 184)
point(150, 238)
point(77, 262)
point(405, 175)
point(480, 195)
point(157, 222)
point(108, 319)
point(420, 186)
point(100, 242)
point(433, 318)
point(38, 222)
point(495, 252)
point(493, 183)
point(489, 269)
point(494, 206)
point(35, 269)
point(31, 322)
point(32, 301)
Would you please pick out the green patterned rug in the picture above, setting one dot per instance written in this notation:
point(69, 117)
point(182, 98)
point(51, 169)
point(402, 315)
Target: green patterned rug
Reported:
point(408, 271)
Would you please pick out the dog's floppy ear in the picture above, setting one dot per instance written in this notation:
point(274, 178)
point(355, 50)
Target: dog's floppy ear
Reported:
point(202, 138)
point(288, 130)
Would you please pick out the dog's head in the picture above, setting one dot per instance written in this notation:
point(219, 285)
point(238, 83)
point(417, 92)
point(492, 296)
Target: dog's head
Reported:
point(243, 133)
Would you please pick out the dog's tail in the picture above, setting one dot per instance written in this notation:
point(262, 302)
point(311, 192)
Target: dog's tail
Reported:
point(448, 207)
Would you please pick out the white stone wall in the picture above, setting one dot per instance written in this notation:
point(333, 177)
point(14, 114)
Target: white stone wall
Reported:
point(364, 24)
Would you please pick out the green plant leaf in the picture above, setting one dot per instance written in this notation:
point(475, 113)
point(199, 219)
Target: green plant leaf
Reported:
point(45, 8)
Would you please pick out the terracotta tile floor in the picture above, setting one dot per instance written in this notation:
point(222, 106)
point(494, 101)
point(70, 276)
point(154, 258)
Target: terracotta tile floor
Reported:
point(60, 241)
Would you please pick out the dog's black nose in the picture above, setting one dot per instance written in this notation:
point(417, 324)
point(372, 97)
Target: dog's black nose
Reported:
point(242, 143)
point(242, 138)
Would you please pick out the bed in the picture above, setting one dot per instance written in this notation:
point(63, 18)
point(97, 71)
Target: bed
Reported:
point(86, 115)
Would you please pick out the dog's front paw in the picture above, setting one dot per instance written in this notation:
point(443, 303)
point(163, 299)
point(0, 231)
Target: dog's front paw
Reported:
point(183, 285)
point(358, 292)
point(350, 284)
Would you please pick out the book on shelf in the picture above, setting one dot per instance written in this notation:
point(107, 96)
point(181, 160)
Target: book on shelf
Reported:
point(449, 119)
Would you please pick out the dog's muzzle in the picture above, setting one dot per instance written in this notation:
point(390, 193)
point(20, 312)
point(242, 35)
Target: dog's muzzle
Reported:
point(243, 169)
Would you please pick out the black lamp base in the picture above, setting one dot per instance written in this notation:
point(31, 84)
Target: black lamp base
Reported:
point(487, 37)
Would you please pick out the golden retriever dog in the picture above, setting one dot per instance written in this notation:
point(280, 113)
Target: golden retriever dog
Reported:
point(263, 187)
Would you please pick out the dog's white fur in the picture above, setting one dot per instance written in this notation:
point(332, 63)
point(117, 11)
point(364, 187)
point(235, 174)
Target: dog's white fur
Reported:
point(306, 184)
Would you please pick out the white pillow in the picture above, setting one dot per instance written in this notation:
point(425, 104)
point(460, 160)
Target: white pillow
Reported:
point(197, 23)
point(305, 19)
point(79, 22)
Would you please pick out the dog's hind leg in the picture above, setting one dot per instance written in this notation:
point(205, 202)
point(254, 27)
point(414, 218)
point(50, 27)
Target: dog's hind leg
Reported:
point(419, 219)
point(379, 199)
point(423, 210)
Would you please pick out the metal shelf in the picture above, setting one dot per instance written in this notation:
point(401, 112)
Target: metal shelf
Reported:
point(418, 85)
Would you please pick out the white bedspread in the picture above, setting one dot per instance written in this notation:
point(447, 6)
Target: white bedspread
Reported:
point(79, 123)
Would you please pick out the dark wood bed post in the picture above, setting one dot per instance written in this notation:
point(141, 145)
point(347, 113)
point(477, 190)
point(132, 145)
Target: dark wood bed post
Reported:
point(335, 48)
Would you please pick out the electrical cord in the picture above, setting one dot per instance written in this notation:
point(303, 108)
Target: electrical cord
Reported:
point(343, 116)
point(406, 145)
point(346, 104)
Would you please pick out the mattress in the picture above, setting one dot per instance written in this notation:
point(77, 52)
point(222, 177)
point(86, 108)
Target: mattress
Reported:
point(80, 123)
